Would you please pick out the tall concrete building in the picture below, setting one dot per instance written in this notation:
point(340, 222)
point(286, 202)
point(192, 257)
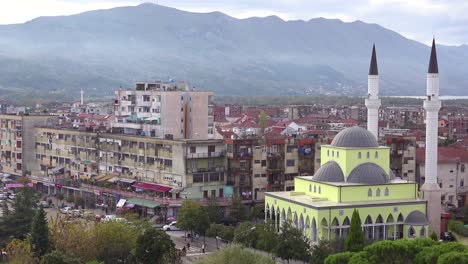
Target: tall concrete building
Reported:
point(17, 141)
point(372, 101)
point(431, 189)
point(165, 110)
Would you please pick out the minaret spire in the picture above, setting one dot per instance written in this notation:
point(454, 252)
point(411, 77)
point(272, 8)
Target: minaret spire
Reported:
point(373, 69)
point(431, 189)
point(433, 66)
point(373, 102)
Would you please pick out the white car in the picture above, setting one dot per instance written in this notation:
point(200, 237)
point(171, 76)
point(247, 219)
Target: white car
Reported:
point(3, 196)
point(171, 227)
point(12, 196)
point(108, 218)
point(66, 210)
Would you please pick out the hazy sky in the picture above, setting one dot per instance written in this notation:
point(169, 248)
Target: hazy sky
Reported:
point(416, 19)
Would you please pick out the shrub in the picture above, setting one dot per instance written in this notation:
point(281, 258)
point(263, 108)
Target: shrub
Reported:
point(235, 254)
point(339, 258)
point(429, 255)
point(457, 227)
point(453, 257)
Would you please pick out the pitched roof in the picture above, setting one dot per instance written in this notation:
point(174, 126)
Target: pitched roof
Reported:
point(433, 66)
point(445, 155)
point(373, 70)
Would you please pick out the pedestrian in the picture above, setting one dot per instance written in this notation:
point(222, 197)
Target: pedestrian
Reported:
point(188, 245)
point(203, 248)
point(184, 251)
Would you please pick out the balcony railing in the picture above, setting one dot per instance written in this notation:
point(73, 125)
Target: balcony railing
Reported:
point(207, 170)
point(205, 155)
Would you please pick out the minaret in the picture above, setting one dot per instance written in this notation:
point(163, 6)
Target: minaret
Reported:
point(82, 99)
point(431, 189)
point(373, 101)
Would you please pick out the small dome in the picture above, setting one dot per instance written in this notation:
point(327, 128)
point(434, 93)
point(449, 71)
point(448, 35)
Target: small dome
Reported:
point(355, 137)
point(416, 218)
point(368, 173)
point(329, 172)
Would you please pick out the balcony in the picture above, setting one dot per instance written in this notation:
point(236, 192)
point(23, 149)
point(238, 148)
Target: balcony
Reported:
point(205, 155)
point(207, 170)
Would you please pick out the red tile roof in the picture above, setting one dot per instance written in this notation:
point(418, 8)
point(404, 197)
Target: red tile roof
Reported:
point(445, 155)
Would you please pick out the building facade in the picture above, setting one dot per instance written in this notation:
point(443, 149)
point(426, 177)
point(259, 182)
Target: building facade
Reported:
point(164, 110)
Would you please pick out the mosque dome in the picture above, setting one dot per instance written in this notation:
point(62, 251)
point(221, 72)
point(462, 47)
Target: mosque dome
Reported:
point(355, 137)
point(416, 218)
point(329, 172)
point(368, 173)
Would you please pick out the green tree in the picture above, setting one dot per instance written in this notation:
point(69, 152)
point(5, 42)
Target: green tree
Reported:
point(339, 258)
point(238, 209)
point(58, 257)
point(235, 254)
point(291, 243)
point(434, 236)
point(320, 252)
point(214, 211)
point(453, 257)
point(257, 212)
point(17, 223)
point(246, 234)
point(430, 254)
point(154, 246)
point(222, 231)
point(20, 252)
point(267, 239)
point(40, 233)
point(355, 240)
point(188, 216)
point(115, 241)
point(203, 222)
point(5, 209)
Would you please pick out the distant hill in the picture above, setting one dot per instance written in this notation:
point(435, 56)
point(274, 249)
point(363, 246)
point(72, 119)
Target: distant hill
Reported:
point(53, 57)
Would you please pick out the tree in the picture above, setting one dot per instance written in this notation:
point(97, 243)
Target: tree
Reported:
point(257, 212)
point(339, 258)
point(453, 257)
point(246, 234)
point(238, 209)
point(320, 252)
point(267, 237)
point(17, 223)
point(115, 241)
point(292, 243)
point(154, 246)
point(214, 211)
point(434, 236)
point(5, 209)
point(432, 253)
point(20, 252)
point(203, 223)
point(58, 257)
point(355, 240)
point(235, 254)
point(262, 121)
point(188, 216)
point(40, 233)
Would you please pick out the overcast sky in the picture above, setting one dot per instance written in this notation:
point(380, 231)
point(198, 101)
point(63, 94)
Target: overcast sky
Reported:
point(415, 19)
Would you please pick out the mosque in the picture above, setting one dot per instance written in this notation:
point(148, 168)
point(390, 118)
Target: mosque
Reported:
point(355, 174)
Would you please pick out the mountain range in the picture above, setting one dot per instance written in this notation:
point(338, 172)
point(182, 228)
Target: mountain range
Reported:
point(100, 51)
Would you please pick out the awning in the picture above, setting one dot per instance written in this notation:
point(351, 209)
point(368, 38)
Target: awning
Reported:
point(144, 203)
point(121, 203)
point(151, 186)
point(102, 177)
point(127, 180)
point(57, 169)
point(113, 179)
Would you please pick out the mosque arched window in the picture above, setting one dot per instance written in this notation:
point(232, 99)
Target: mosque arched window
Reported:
point(387, 192)
point(368, 155)
point(422, 233)
point(320, 189)
point(359, 155)
point(333, 153)
point(369, 192)
point(377, 192)
point(328, 153)
point(310, 187)
point(315, 189)
point(337, 154)
point(411, 232)
point(376, 154)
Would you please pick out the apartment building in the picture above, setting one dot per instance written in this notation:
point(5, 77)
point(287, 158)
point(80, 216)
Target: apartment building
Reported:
point(402, 156)
point(168, 110)
point(257, 165)
point(17, 141)
point(171, 168)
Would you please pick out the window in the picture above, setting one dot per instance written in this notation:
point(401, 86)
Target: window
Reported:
point(462, 183)
point(320, 190)
point(387, 192)
point(168, 163)
point(337, 154)
point(333, 153)
point(257, 161)
point(315, 189)
point(369, 193)
point(451, 171)
point(376, 155)
point(328, 153)
point(422, 233)
point(462, 168)
point(193, 149)
point(290, 163)
point(368, 154)
point(198, 177)
point(359, 155)
point(377, 193)
point(257, 175)
point(263, 163)
point(310, 188)
point(411, 232)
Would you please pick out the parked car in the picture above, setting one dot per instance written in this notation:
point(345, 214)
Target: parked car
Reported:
point(12, 196)
point(171, 227)
point(447, 236)
point(44, 204)
point(3, 196)
point(75, 213)
point(108, 218)
point(66, 210)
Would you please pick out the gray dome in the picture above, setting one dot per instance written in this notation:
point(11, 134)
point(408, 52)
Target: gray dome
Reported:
point(355, 137)
point(329, 172)
point(416, 218)
point(368, 173)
